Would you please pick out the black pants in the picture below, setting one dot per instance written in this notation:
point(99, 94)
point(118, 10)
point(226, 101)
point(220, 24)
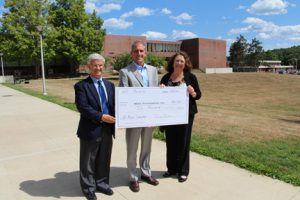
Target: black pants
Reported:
point(95, 156)
point(178, 138)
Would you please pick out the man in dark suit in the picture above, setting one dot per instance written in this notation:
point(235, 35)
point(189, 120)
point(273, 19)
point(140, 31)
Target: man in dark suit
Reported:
point(139, 74)
point(95, 99)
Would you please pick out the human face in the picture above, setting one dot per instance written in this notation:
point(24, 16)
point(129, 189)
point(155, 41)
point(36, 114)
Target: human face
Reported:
point(138, 54)
point(96, 68)
point(179, 63)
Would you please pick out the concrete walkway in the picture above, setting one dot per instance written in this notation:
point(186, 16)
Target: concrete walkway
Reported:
point(39, 160)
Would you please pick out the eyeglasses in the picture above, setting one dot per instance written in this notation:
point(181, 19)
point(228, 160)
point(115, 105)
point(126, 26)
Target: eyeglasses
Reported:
point(97, 65)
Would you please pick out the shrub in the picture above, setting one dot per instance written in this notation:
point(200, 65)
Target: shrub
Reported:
point(121, 61)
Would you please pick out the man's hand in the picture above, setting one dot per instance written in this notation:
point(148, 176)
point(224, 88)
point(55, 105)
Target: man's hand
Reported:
point(108, 119)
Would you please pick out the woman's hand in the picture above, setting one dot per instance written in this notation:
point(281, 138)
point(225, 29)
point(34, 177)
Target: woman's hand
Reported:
point(162, 85)
point(191, 91)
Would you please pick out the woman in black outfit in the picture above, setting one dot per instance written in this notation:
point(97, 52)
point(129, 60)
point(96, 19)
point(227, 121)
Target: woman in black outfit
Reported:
point(178, 137)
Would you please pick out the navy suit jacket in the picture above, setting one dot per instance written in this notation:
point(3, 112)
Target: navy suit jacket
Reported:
point(88, 104)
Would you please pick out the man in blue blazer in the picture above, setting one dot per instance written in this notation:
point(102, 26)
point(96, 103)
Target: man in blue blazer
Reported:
point(95, 100)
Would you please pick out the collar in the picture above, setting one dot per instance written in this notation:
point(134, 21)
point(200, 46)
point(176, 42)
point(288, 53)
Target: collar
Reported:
point(95, 80)
point(139, 67)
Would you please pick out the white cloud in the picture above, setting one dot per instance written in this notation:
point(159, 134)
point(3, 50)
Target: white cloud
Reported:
point(264, 36)
point(241, 7)
point(268, 7)
point(105, 8)
point(115, 23)
point(183, 18)
point(107, 1)
point(138, 12)
point(176, 35)
point(230, 40)
point(255, 25)
point(294, 39)
point(267, 30)
point(154, 35)
point(277, 46)
point(166, 11)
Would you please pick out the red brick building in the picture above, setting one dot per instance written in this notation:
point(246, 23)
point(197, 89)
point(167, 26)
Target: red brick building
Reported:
point(204, 53)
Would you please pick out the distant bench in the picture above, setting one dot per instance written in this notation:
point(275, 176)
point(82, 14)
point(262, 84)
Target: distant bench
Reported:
point(20, 80)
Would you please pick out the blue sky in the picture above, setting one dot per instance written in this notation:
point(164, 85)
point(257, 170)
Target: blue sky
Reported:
point(276, 23)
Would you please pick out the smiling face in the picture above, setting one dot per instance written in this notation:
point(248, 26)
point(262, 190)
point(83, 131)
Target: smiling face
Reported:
point(138, 54)
point(96, 68)
point(179, 63)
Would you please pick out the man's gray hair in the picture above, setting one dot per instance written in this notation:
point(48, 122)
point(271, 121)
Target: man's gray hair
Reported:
point(95, 56)
point(135, 43)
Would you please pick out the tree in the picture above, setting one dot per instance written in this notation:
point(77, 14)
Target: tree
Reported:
point(19, 37)
point(288, 56)
point(254, 53)
point(237, 51)
point(75, 34)
point(269, 55)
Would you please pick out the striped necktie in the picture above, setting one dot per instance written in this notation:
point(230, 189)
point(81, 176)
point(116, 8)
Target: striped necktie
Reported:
point(104, 103)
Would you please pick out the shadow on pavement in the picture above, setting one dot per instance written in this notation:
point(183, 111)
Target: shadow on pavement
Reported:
point(63, 184)
point(66, 184)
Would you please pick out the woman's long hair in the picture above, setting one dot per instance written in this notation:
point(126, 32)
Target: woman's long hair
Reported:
point(188, 64)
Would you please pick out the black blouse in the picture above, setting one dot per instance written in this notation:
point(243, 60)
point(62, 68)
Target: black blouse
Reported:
point(189, 79)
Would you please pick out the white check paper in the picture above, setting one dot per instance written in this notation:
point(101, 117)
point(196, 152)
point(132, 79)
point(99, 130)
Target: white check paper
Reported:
point(151, 106)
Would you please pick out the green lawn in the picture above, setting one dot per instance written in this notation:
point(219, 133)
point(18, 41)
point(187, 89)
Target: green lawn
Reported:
point(279, 159)
point(251, 120)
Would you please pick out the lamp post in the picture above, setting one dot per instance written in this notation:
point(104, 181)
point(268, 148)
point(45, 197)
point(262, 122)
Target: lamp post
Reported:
point(296, 64)
point(40, 30)
point(1, 54)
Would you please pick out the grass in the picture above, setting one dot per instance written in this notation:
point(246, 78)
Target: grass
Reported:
point(275, 158)
point(53, 99)
point(251, 120)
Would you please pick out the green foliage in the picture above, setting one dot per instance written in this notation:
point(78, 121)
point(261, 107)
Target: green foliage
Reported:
point(245, 54)
point(19, 36)
point(254, 53)
point(269, 55)
point(69, 34)
point(288, 56)
point(75, 34)
point(237, 51)
point(249, 54)
point(158, 135)
point(155, 61)
point(121, 61)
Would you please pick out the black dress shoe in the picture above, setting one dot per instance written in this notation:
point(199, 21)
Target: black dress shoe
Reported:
point(107, 191)
point(182, 178)
point(150, 180)
point(168, 174)
point(90, 196)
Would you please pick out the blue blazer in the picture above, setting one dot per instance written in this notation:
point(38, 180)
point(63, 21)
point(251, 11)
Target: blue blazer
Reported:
point(88, 104)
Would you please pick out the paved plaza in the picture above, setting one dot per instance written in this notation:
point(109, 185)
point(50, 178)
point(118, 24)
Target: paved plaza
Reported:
point(39, 158)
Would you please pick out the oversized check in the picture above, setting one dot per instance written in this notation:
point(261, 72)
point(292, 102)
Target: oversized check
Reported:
point(151, 106)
